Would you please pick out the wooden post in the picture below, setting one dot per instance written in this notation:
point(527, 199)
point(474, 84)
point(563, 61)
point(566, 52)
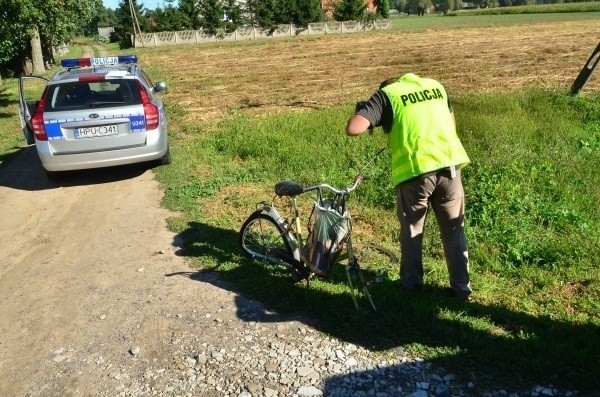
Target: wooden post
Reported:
point(586, 72)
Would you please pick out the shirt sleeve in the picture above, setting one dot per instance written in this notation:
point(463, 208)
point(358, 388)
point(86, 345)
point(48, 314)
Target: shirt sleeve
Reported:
point(378, 111)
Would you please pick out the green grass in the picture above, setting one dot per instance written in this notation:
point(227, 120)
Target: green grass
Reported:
point(591, 6)
point(533, 226)
point(489, 17)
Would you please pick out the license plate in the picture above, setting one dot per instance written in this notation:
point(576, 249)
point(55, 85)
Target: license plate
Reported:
point(92, 132)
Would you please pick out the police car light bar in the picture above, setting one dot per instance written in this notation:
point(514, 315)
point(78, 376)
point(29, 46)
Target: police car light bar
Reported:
point(79, 62)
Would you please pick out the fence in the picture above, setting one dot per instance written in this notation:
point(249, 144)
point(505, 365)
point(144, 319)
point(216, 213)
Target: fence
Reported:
point(252, 33)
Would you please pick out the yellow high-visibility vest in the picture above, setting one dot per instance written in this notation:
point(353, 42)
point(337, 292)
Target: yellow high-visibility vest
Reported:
point(423, 136)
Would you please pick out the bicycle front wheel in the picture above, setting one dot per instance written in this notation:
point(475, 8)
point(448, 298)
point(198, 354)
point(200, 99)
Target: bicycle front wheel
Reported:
point(376, 262)
point(262, 238)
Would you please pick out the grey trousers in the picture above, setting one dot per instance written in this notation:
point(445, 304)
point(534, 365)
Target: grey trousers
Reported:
point(447, 199)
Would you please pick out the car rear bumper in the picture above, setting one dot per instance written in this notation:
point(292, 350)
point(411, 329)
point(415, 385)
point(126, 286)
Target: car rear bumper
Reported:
point(156, 146)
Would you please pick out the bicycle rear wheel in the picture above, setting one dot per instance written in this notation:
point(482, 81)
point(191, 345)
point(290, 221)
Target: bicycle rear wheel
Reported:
point(262, 238)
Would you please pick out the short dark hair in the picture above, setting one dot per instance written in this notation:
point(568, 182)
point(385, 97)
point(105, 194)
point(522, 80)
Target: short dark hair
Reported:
point(387, 82)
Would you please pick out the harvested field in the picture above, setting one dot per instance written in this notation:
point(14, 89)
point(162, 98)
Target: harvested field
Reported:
point(271, 75)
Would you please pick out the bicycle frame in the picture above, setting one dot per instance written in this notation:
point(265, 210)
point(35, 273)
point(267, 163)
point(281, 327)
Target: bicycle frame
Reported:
point(295, 239)
point(291, 231)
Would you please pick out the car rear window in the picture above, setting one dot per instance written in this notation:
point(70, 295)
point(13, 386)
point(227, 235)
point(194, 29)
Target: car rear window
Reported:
point(79, 95)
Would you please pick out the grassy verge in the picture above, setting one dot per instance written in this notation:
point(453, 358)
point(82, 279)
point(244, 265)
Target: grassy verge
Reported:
point(489, 17)
point(533, 234)
point(591, 6)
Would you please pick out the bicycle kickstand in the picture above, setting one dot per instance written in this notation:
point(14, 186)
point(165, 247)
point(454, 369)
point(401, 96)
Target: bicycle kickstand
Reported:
point(354, 268)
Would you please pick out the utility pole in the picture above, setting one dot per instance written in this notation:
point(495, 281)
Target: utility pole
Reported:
point(136, 24)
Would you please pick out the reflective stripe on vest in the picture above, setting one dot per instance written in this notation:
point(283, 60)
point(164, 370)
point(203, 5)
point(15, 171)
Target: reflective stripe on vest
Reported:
point(423, 136)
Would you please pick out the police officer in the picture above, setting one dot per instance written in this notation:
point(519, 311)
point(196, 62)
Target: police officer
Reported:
point(426, 159)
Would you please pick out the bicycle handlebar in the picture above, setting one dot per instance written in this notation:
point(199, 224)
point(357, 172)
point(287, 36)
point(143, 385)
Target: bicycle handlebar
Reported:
point(291, 188)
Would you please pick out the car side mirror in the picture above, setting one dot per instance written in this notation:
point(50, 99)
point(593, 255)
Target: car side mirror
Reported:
point(160, 86)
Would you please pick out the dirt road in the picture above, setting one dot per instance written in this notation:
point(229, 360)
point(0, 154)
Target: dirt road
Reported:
point(84, 279)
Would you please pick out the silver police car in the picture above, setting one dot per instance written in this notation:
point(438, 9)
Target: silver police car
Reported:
point(94, 112)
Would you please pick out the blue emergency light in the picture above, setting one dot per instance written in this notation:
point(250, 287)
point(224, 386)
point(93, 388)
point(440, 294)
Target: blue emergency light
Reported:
point(101, 61)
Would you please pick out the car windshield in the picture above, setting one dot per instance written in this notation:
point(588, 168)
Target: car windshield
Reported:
point(79, 95)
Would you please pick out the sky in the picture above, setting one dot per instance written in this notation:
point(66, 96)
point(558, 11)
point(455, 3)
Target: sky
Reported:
point(150, 4)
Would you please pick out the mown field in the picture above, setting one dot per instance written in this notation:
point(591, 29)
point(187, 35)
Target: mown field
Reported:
point(244, 115)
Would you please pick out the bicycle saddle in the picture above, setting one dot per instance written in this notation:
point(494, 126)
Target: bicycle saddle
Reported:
point(288, 188)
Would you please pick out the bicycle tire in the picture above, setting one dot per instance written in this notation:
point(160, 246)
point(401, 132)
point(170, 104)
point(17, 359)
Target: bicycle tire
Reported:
point(262, 238)
point(376, 262)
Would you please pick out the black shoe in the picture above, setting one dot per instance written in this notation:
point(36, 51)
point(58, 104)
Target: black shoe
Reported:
point(461, 296)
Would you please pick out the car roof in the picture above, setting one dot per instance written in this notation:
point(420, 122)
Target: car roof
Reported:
point(72, 72)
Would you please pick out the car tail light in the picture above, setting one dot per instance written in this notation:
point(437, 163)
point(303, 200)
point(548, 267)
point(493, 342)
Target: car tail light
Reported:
point(37, 121)
point(150, 110)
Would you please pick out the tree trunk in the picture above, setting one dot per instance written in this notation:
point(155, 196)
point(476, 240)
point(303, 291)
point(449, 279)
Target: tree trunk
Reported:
point(37, 58)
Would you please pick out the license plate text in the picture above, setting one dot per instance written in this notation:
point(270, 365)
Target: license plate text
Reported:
point(92, 132)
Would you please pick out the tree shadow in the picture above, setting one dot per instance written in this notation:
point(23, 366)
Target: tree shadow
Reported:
point(5, 101)
point(567, 353)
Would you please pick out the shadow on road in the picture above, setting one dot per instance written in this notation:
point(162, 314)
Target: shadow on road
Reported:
point(439, 322)
point(23, 171)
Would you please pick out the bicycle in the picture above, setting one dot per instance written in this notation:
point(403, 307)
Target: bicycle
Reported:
point(267, 236)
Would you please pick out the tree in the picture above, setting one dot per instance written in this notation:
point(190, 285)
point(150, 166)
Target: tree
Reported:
point(31, 29)
point(447, 5)
point(260, 13)
point(211, 16)
point(233, 14)
point(125, 22)
point(106, 18)
point(383, 8)
point(284, 11)
point(417, 6)
point(13, 33)
point(400, 5)
point(309, 11)
point(349, 10)
point(191, 10)
point(170, 18)
point(60, 20)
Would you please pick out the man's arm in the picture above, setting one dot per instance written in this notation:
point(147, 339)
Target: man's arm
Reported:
point(369, 114)
point(356, 125)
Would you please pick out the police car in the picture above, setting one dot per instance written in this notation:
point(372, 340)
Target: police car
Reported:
point(94, 112)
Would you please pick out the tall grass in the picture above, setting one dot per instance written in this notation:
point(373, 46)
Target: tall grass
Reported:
point(533, 225)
